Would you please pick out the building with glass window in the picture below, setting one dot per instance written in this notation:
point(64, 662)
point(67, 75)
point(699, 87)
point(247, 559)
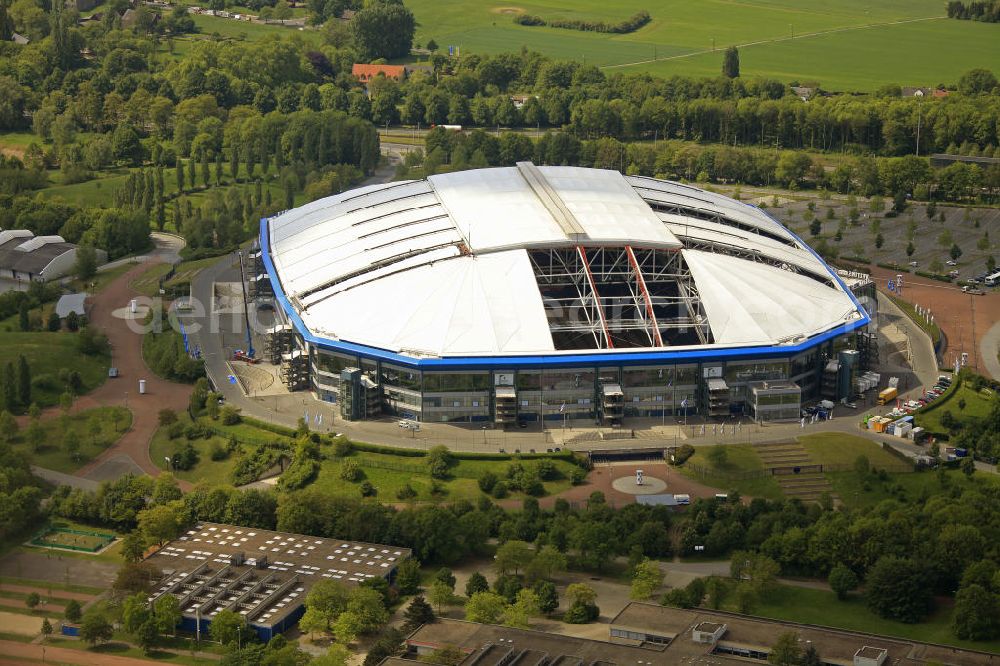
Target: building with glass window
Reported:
point(528, 293)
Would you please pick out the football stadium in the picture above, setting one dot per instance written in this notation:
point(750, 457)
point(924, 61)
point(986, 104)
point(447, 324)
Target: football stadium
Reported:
point(517, 294)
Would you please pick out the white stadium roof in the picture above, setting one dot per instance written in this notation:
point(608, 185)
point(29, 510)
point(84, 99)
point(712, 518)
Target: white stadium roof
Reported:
point(449, 266)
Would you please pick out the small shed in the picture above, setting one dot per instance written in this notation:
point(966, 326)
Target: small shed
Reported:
point(71, 303)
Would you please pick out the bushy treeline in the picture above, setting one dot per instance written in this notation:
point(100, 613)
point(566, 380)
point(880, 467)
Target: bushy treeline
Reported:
point(631, 24)
point(988, 11)
point(865, 175)
point(20, 494)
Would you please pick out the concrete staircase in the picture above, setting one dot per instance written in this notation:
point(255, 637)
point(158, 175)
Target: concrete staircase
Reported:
point(806, 485)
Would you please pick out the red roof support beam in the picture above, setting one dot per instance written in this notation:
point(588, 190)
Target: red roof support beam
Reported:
point(597, 298)
point(645, 295)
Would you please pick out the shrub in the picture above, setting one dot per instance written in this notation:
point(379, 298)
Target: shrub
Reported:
point(368, 490)
point(500, 490)
point(534, 487)
point(487, 481)
point(186, 458)
point(546, 470)
point(682, 454)
point(217, 452)
point(167, 416)
point(406, 492)
point(230, 415)
point(351, 471)
point(342, 446)
point(577, 476)
point(175, 430)
point(439, 459)
point(581, 613)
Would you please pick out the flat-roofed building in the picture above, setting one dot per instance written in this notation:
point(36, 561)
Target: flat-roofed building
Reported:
point(261, 574)
point(26, 257)
point(680, 636)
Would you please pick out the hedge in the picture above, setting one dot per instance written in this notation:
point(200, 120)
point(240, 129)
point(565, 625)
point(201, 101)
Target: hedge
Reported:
point(934, 276)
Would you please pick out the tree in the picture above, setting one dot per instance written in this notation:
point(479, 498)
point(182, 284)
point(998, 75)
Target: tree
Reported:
point(417, 613)
point(485, 607)
point(408, 576)
point(86, 263)
point(439, 459)
point(717, 455)
point(731, 63)
point(163, 522)
point(440, 594)
point(22, 317)
point(955, 252)
point(977, 614)
point(519, 613)
point(548, 597)
point(32, 600)
point(336, 655)
point(135, 612)
point(96, 628)
point(546, 562)
point(147, 635)
point(476, 583)
point(227, 627)
point(512, 556)
point(368, 606)
point(646, 579)
point(786, 650)
point(897, 589)
point(879, 241)
point(167, 613)
point(72, 611)
point(910, 249)
point(968, 466)
point(842, 580)
point(383, 30)
point(315, 621)
point(444, 575)
point(46, 628)
point(582, 604)
point(977, 81)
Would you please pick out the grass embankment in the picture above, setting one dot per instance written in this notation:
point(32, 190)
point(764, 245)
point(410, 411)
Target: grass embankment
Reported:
point(821, 607)
point(930, 328)
point(834, 448)
point(102, 279)
point(47, 354)
point(740, 461)
point(386, 471)
point(858, 493)
point(92, 431)
point(976, 405)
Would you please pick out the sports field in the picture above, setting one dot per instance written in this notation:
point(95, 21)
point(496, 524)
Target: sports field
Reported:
point(80, 540)
point(851, 45)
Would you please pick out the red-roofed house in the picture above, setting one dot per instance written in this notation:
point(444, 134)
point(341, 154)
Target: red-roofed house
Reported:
point(366, 73)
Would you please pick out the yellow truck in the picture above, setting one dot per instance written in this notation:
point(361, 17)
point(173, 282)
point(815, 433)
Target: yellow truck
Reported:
point(887, 395)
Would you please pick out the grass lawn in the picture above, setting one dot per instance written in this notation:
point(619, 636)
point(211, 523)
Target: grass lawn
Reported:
point(119, 648)
point(47, 354)
point(834, 448)
point(461, 485)
point(206, 471)
point(739, 458)
point(186, 271)
point(856, 494)
point(798, 604)
point(102, 279)
point(977, 406)
point(94, 430)
point(148, 283)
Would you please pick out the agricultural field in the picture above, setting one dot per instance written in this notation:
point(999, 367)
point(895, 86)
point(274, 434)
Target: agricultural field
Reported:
point(851, 46)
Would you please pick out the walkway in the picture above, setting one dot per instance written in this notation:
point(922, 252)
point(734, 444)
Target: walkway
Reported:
point(989, 347)
point(15, 653)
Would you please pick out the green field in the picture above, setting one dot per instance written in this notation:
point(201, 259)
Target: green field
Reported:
point(47, 354)
point(847, 46)
point(858, 494)
point(977, 406)
point(834, 448)
point(798, 604)
point(740, 458)
point(94, 430)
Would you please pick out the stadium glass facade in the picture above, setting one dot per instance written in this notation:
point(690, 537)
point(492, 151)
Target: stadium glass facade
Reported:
point(653, 390)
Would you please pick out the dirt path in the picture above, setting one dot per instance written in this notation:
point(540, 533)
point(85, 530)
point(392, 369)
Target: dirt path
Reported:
point(126, 347)
point(54, 594)
point(47, 607)
point(16, 653)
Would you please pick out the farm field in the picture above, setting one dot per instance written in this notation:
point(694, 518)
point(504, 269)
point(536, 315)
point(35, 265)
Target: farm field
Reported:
point(680, 37)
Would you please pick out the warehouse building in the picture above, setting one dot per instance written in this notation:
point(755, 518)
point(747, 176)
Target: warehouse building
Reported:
point(261, 574)
point(25, 257)
point(519, 294)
